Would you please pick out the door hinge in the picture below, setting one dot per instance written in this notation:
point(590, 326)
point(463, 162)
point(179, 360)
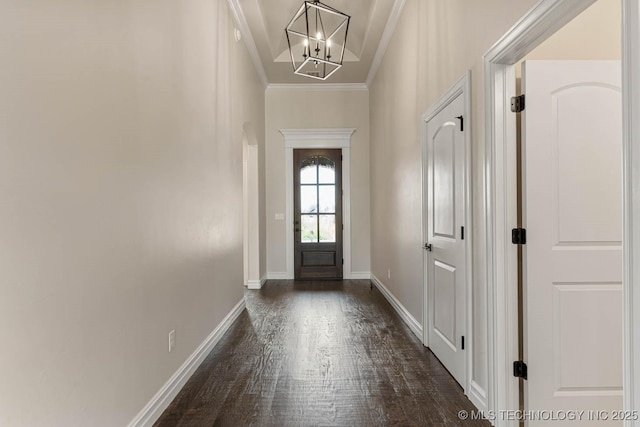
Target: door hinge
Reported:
point(519, 236)
point(461, 233)
point(517, 103)
point(520, 369)
point(462, 344)
point(461, 118)
point(342, 261)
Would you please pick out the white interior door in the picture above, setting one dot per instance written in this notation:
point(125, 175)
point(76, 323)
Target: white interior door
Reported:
point(572, 211)
point(446, 262)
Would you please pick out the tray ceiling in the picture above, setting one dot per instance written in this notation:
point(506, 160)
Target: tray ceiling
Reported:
point(267, 19)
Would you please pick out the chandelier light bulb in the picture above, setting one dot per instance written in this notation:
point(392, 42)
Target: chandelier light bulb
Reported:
point(318, 43)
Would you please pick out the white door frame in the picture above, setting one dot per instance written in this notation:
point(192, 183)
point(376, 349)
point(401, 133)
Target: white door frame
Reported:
point(500, 193)
point(631, 201)
point(251, 208)
point(318, 138)
point(462, 86)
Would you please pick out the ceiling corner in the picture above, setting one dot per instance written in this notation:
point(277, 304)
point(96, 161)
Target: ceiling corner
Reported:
point(389, 29)
point(249, 42)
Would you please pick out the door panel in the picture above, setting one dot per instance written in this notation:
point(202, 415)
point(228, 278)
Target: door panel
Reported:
point(572, 210)
point(445, 302)
point(318, 214)
point(444, 180)
point(574, 306)
point(594, 215)
point(446, 263)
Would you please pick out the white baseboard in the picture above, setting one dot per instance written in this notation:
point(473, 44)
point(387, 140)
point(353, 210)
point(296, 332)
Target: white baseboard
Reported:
point(478, 396)
point(278, 276)
point(361, 275)
point(156, 406)
point(355, 275)
point(411, 321)
point(254, 284)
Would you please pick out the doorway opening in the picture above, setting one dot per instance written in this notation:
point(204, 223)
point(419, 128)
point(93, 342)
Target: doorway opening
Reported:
point(447, 222)
point(329, 138)
point(501, 202)
point(318, 213)
point(251, 209)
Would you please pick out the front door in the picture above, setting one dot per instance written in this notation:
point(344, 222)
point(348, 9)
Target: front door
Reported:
point(318, 213)
point(446, 257)
point(572, 213)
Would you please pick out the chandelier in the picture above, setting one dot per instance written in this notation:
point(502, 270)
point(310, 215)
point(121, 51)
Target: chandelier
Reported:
point(317, 36)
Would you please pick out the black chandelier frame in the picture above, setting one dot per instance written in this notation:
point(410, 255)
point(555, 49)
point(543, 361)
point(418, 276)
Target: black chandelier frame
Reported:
point(324, 64)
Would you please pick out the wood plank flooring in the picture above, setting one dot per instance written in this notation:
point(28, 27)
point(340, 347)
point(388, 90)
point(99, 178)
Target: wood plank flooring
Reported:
point(329, 353)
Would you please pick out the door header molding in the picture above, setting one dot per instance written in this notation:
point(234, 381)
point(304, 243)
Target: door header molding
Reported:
point(317, 138)
point(462, 85)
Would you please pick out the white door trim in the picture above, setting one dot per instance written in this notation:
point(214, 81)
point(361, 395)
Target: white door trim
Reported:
point(318, 138)
point(631, 201)
point(500, 193)
point(462, 86)
point(251, 208)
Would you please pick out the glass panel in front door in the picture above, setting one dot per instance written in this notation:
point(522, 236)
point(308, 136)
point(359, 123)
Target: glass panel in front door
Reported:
point(327, 228)
point(318, 196)
point(309, 228)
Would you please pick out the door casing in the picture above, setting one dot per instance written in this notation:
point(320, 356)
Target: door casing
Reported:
point(251, 208)
point(461, 88)
point(500, 195)
point(318, 138)
point(309, 251)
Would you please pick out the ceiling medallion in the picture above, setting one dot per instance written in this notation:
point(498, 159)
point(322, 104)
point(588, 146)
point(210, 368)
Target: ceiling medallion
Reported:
point(313, 34)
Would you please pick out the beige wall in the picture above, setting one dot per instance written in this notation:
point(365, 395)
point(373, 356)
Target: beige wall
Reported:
point(304, 109)
point(594, 34)
point(435, 43)
point(120, 199)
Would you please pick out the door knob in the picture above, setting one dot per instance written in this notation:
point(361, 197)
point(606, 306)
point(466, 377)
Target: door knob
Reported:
point(427, 246)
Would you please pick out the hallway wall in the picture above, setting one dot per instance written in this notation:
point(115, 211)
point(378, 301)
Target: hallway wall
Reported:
point(435, 42)
point(312, 109)
point(594, 34)
point(120, 199)
point(453, 35)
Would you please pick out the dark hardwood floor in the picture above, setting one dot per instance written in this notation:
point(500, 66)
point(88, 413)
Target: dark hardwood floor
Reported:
point(329, 353)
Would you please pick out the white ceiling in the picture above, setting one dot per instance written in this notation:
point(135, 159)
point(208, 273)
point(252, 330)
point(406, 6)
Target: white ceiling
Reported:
point(265, 21)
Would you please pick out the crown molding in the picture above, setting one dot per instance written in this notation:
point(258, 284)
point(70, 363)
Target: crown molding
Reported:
point(392, 22)
point(243, 26)
point(318, 86)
